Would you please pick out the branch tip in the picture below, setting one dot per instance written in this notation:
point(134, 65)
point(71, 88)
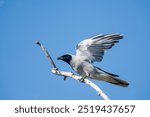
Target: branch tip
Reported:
point(37, 42)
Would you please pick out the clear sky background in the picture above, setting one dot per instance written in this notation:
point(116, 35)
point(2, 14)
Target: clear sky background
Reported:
point(60, 25)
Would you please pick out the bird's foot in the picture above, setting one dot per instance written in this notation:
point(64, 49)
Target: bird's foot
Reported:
point(82, 80)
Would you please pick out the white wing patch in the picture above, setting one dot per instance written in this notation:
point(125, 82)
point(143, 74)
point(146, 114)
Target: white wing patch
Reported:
point(92, 49)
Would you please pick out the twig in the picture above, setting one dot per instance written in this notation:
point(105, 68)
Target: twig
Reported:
point(47, 55)
point(56, 71)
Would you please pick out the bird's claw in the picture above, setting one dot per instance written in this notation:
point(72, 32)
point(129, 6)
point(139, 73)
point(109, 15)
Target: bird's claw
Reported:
point(82, 80)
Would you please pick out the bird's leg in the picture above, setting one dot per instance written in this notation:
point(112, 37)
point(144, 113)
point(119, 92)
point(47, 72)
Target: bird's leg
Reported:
point(82, 79)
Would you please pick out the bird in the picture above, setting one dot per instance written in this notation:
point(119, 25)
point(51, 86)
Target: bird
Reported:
point(92, 50)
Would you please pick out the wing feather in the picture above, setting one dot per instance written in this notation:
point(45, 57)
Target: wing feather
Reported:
point(93, 48)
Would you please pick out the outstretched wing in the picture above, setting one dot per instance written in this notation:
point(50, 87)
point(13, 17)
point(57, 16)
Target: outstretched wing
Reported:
point(92, 49)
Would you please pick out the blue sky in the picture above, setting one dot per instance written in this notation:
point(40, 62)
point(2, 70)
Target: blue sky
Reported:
point(60, 25)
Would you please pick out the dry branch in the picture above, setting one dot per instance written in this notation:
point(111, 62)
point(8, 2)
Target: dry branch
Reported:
point(56, 71)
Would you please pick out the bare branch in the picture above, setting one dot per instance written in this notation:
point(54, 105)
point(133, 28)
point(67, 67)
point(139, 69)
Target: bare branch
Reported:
point(47, 54)
point(86, 81)
point(56, 71)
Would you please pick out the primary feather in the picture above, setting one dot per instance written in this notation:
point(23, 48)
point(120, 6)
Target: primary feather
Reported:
point(93, 48)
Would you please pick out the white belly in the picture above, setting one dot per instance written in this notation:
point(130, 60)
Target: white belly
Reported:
point(84, 69)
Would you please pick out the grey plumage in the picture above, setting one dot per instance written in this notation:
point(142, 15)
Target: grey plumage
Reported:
point(92, 50)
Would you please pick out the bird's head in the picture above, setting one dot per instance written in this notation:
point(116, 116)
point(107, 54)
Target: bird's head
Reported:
point(67, 58)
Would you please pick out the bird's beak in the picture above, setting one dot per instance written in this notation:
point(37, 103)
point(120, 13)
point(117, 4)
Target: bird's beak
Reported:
point(59, 58)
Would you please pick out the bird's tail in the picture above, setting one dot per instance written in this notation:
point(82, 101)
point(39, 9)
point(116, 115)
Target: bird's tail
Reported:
point(111, 78)
point(116, 81)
